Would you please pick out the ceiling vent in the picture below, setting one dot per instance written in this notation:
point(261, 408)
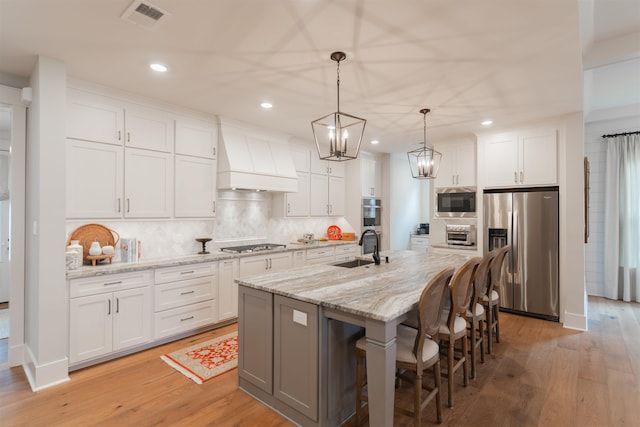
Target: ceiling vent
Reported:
point(144, 14)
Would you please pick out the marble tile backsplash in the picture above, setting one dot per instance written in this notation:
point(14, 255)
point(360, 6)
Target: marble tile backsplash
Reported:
point(243, 217)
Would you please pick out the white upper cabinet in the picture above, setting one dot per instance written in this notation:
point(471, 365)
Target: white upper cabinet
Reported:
point(326, 167)
point(198, 138)
point(371, 175)
point(148, 184)
point(94, 118)
point(94, 180)
point(295, 204)
point(525, 158)
point(327, 192)
point(149, 128)
point(457, 166)
point(195, 187)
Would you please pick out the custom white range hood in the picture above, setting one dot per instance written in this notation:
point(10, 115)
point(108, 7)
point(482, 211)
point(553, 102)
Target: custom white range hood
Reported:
point(251, 161)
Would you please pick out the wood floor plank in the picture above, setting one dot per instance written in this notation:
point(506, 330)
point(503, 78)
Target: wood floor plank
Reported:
point(539, 374)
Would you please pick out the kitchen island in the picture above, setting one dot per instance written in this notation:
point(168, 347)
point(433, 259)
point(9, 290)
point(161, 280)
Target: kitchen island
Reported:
point(292, 351)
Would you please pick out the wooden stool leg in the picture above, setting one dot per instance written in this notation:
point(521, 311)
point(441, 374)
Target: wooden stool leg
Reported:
point(489, 317)
point(496, 316)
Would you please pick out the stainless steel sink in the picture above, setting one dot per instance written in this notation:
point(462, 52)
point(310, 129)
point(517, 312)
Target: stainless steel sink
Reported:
point(354, 263)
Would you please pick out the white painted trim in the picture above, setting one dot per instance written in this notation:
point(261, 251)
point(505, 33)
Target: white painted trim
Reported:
point(575, 321)
point(45, 375)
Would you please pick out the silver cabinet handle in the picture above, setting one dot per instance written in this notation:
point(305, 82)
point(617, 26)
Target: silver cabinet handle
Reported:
point(109, 309)
point(288, 207)
point(214, 151)
point(113, 283)
point(128, 205)
point(117, 305)
point(187, 272)
point(187, 293)
point(515, 177)
point(214, 206)
point(118, 204)
point(266, 263)
point(186, 318)
point(128, 136)
point(119, 136)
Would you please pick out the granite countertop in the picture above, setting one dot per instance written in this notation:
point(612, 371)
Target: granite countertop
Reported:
point(454, 247)
point(126, 267)
point(381, 292)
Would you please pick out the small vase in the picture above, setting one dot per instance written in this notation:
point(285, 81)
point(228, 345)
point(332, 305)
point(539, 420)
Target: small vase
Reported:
point(95, 249)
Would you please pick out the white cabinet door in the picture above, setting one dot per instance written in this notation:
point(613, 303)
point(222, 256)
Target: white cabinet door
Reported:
point(195, 187)
point(370, 176)
point(260, 264)
point(228, 289)
point(336, 196)
point(93, 180)
point(131, 318)
point(91, 327)
point(457, 165)
point(197, 138)
point(526, 159)
point(94, 118)
point(538, 159)
point(149, 129)
point(148, 184)
point(318, 195)
point(466, 165)
point(253, 265)
point(501, 161)
point(280, 261)
point(298, 203)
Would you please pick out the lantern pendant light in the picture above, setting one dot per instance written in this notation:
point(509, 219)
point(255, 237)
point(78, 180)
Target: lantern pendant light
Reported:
point(424, 161)
point(338, 135)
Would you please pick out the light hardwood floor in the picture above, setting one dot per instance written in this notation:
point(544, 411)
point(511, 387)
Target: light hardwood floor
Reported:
point(539, 375)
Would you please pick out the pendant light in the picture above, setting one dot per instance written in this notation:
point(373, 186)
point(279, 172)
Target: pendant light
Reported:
point(338, 135)
point(424, 161)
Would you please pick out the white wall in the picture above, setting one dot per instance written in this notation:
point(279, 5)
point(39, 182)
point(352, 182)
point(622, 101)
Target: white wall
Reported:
point(405, 201)
point(595, 150)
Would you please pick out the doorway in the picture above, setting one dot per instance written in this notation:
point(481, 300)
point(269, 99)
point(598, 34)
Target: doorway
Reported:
point(12, 225)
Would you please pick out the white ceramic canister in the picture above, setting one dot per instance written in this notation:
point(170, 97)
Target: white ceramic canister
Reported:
point(74, 261)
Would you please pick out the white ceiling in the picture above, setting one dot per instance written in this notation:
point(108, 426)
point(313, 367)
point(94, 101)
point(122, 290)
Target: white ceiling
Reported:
point(467, 60)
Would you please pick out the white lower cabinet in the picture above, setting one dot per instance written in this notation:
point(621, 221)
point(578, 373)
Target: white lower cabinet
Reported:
point(299, 258)
point(186, 298)
point(108, 314)
point(345, 253)
point(228, 271)
point(260, 264)
point(324, 255)
point(420, 243)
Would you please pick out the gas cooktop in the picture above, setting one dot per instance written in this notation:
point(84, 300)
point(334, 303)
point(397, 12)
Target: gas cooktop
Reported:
point(252, 248)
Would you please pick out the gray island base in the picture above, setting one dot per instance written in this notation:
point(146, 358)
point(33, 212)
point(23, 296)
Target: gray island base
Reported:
point(297, 330)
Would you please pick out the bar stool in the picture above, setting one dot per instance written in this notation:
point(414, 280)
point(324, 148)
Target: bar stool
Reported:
point(416, 350)
point(454, 326)
point(475, 313)
point(491, 299)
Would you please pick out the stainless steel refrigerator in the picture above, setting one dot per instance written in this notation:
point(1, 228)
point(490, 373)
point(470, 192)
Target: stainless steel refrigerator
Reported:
point(526, 220)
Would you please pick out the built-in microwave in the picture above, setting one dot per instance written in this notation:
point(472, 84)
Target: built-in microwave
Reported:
point(456, 202)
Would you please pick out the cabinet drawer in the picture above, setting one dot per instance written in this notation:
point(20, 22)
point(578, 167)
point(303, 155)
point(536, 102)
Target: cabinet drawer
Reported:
point(313, 254)
point(108, 283)
point(177, 294)
point(345, 250)
point(420, 241)
point(177, 320)
point(191, 271)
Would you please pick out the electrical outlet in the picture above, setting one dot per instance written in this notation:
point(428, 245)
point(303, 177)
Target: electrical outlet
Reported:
point(300, 317)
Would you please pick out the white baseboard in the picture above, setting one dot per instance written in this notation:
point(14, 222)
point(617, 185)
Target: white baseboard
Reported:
point(41, 376)
point(575, 321)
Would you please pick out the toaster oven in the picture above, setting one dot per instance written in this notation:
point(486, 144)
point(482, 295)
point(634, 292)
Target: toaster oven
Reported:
point(461, 234)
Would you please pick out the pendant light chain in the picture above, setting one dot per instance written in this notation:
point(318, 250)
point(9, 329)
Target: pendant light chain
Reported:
point(338, 85)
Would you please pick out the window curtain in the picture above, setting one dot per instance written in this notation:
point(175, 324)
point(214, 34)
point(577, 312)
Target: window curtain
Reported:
point(622, 217)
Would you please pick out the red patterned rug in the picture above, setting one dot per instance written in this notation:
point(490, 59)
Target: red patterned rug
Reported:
point(204, 361)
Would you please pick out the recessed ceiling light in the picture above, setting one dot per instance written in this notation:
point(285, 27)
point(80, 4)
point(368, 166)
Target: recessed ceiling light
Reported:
point(375, 141)
point(158, 67)
point(266, 105)
point(487, 123)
